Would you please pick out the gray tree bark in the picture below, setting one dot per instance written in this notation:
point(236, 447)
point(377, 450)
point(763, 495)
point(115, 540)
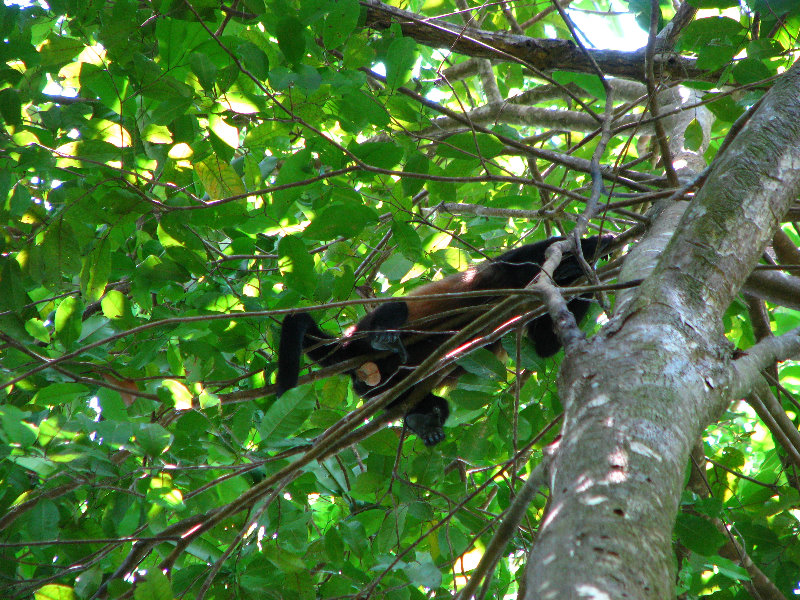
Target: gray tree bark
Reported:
point(638, 395)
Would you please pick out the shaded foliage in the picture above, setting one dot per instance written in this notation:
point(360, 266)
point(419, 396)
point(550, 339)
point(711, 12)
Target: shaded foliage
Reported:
point(174, 176)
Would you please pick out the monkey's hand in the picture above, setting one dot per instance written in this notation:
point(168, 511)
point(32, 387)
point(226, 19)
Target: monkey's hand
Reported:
point(389, 340)
point(427, 419)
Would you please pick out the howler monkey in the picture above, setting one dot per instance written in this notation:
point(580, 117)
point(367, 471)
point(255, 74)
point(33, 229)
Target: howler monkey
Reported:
point(381, 329)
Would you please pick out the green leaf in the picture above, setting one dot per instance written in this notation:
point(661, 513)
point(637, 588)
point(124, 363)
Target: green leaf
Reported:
point(296, 265)
point(484, 363)
point(14, 300)
point(58, 50)
point(54, 591)
point(424, 572)
point(416, 163)
point(68, 321)
point(177, 394)
point(60, 393)
point(407, 239)
point(296, 168)
point(716, 56)
point(57, 257)
point(110, 89)
point(287, 414)
point(20, 201)
point(307, 78)
point(733, 458)
point(174, 37)
point(155, 586)
point(96, 270)
point(111, 405)
point(154, 273)
point(171, 109)
point(16, 429)
point(721, 4)
point(218, 178)
point(291, 38)
point(775, 7)
point(764, 49)
point(698, 534)
point(343, 283)
point(162, 493)
point(730, 569)
point(43, 521)
point(255, 59)
point(357, 110)
point(384, 155)
point(37, 330)
point(14, 296)
point(589, 82)
point(11, 106)
point(340, 219)
point(357, 52)
point(751, 70)
point(225, 132)
point(724, 107)
point(205, 70)
point(153, 438)
point(88, 582)
point(400, 60)
point(285, 562)
point(703, 33)
point(340, 22)
point(694, 135)
point(156, 134)
point(469, 146)
point(116, 305)
point(182, 245)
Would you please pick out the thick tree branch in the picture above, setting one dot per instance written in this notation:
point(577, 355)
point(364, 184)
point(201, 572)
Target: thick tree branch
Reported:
point(733, 216)
point(775, 287)
point(774, 417)
point(747, 369)
point(538, 53)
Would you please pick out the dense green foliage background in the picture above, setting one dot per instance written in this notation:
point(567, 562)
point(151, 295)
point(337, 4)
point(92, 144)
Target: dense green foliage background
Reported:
point(175, 174)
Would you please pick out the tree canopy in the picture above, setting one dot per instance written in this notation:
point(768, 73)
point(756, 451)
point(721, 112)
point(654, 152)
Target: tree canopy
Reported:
point(177, 176)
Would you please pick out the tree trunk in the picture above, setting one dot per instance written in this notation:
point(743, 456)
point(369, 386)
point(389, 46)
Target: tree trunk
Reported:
point(639, 394)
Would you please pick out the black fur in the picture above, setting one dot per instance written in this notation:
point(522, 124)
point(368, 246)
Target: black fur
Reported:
point(378, 331)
